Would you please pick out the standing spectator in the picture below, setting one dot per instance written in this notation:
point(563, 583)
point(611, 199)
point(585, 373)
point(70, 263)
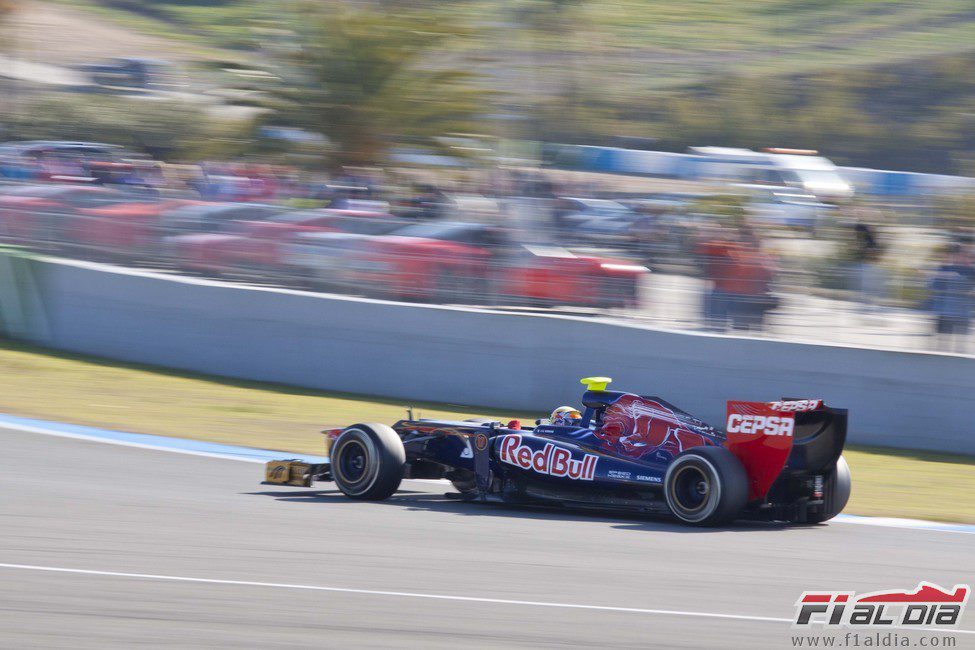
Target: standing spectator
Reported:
point(867, 252)
point(717, 251)
point(952, 300)
point(431, 202)
point(749, 283)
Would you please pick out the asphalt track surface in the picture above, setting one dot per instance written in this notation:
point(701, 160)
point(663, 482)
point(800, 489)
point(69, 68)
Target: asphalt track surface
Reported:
point(103, 546)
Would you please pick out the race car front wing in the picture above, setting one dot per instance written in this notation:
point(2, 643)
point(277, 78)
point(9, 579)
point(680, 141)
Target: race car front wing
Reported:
point(296, 472)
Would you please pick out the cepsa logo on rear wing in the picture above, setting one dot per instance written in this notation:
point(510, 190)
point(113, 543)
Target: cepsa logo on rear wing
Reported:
point(796, 405)
point(770, 425)
point(768, 418)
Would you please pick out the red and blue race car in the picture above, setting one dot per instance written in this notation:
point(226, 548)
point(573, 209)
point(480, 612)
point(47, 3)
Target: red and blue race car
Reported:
point(775, 461)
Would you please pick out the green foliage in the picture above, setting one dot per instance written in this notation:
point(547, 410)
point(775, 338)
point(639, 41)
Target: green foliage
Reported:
point(727, 209)
point(879, 83)
point(7, 8)
point(918, 118)
point(169, 130)
point(957, 212)
point(224, 23)
point(305, 204)
point(365, 79)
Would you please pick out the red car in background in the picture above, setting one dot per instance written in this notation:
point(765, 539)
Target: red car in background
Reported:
point(255, 244)
point(194, 235)
point(470, 262)
point(90, 220)
point(129, 229)
point(34, 214)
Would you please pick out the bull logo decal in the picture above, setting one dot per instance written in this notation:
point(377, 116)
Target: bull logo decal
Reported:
point(635, 427)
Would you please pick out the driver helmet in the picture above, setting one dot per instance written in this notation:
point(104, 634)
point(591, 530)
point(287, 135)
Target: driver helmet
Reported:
point(565, 416)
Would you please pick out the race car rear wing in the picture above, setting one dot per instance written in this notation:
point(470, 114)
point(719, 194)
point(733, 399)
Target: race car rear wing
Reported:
point(797, 436)
point(818, 439)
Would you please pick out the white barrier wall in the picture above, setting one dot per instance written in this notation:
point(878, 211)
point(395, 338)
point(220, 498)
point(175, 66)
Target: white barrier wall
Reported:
point(418, 352)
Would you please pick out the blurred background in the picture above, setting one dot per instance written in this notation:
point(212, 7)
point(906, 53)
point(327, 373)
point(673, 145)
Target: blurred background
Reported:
point(226, 225)
point(794, 169)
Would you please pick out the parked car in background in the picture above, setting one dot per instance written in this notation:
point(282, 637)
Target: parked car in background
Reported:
point(455, 262)
point(203, 217)
point(89, 221)
point(589, 218)
point(254, 244)
point(130, 72)
point(802, 170)
point(129, 229)
point(662, 230)
point(37, 214)
point(321, 260)
point(788, 207)
point(72, 162)
point(194, 234)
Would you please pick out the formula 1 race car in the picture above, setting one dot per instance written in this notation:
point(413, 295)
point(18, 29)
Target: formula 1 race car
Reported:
point(776, 461)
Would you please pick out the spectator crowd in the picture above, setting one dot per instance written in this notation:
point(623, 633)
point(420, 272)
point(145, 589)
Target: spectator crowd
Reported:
point(741, 272)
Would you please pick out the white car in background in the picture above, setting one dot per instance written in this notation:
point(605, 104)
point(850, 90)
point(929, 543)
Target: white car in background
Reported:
point(800, 169)
point(789, 207)
point(806, 171)
point(588, 218)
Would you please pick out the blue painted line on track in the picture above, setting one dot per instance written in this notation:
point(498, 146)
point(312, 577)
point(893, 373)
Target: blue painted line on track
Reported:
point(158, 442)
point(918, 524)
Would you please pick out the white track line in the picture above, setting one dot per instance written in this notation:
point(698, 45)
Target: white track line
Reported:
point(398, 594)
point(408, 594)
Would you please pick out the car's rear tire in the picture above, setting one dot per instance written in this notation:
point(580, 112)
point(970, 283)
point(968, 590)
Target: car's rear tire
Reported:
point(836, 492)
point(367, 461)
point(706, 486)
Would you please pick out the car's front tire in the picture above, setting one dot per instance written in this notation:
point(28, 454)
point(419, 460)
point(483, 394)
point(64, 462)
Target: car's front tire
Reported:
point(367, 461)
point(706, 486)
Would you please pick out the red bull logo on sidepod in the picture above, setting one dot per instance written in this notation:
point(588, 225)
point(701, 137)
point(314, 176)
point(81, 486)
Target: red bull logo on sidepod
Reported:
point(551, 460)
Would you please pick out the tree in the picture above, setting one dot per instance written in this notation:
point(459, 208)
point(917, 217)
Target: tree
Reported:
point(7, 94)
point(165, 129)
point(365, 80)
point(957, 212)
point(7, 7)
